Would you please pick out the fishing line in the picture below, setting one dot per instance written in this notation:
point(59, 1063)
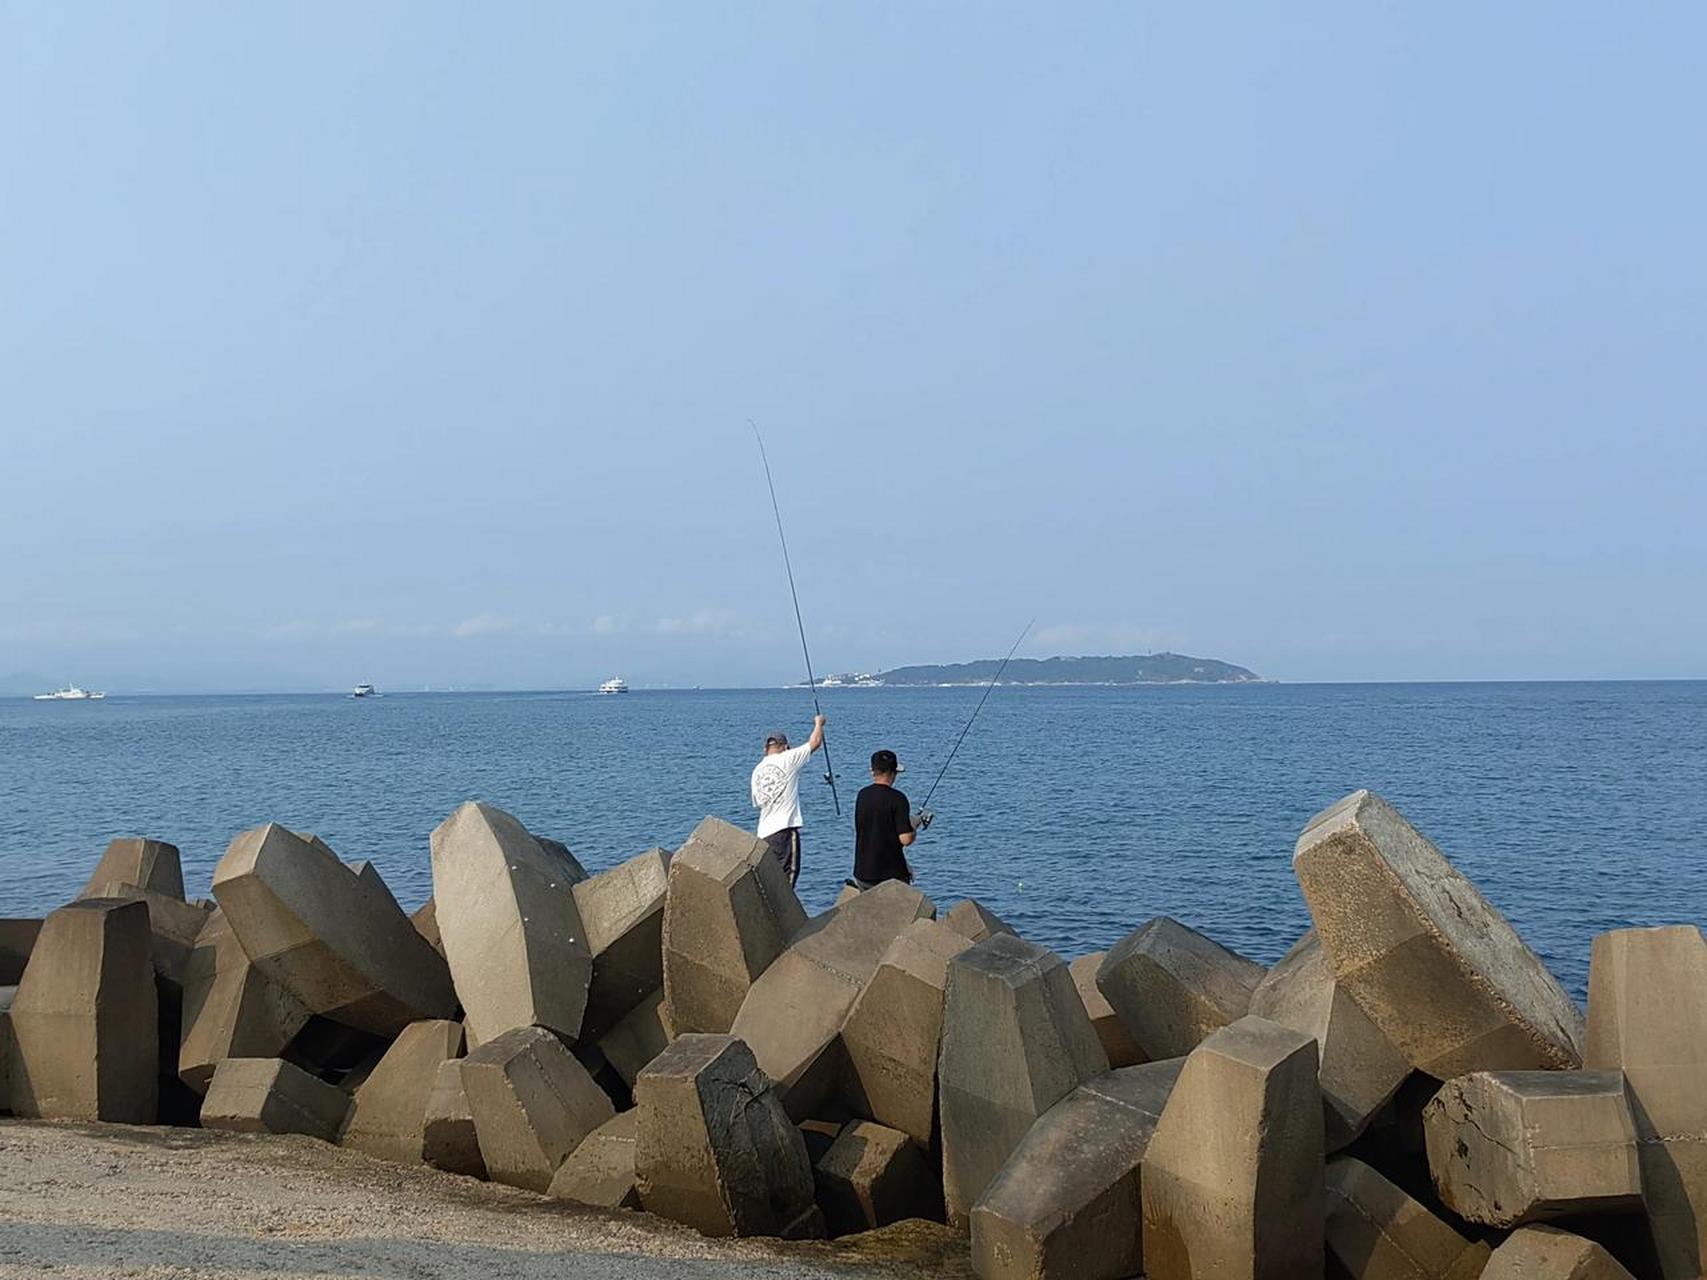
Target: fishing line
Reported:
point(829, 769)
point(975, 710)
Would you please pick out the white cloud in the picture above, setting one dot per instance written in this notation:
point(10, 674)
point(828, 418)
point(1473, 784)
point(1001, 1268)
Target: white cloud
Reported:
point(701, 622)
point(482, 624)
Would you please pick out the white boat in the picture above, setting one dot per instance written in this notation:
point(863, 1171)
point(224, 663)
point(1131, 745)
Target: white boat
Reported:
point(71, 693)
point(364, 691)
point(616, 684)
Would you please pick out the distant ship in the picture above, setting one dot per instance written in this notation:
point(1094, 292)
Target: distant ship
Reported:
point(364, 691)
point(71, 693)
point(616, 684)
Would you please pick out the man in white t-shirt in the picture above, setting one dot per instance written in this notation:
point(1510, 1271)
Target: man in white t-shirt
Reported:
point(776, 795)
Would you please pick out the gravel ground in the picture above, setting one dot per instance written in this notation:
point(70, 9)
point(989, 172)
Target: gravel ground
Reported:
point(84, 1201)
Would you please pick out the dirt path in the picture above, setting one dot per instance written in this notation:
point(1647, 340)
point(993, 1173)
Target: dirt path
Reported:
point(85, 1201)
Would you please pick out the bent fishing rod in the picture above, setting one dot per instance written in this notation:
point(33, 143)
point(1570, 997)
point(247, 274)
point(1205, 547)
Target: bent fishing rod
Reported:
point(975, 710)
point(811, 680)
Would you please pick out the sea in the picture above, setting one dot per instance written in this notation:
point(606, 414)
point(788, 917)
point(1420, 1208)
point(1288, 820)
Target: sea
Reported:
point(1075, 813)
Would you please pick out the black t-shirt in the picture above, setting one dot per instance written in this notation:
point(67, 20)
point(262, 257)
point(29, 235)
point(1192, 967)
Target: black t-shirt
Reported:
point(881, 816)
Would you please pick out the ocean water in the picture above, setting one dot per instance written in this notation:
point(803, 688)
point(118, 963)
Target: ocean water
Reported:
point(1074, 813)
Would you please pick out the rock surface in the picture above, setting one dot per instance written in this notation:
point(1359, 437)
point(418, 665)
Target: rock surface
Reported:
point(1015, 1041)
point(1232, 1181)
point(1512, 1147)
point(1419, 949)
point(512, 934)
point(1067, 1205)
point(728, 913)
point(714, 1147)
point(337, 943)
point(1171, 986)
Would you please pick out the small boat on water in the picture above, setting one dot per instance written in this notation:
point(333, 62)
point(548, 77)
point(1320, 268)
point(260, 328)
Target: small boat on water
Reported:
point(71, 693)
point(616, 684)
point(364, 691)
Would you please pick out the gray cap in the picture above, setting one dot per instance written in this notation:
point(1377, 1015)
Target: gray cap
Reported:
point(777, 736)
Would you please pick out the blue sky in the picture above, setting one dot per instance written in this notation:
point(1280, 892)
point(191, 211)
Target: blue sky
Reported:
point(416, 342)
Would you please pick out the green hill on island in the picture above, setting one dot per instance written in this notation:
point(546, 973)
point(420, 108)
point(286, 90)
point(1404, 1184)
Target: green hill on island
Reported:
point(1149, 668)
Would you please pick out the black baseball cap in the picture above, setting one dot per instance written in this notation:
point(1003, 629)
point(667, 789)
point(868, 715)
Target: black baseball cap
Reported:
point(885, 762)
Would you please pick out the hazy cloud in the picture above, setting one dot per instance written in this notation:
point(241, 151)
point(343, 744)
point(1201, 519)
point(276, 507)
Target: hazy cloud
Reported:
point(719, 622)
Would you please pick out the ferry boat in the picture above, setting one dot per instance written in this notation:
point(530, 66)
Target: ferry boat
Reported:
point(616, 684)
point(71, 693)
point(364, 691)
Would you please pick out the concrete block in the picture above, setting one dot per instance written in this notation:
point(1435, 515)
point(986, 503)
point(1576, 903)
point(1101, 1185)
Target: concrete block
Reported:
point(7, 995)
point(971, 919)
point(872, 1176)
point(174, 925)
point(448, 1139)
point(388, 1110)
point(1015, 1041)
point(1171, 986)
point(1377, 1232)
point(426, 922)
point(17, 939)
point(639, 1037)
point(1361, 1069)
point(270, 1095)
point(1232, 1183)
point(511, 930)
point(728, 913)
point(1647, 999)
point(532, 1104)
point(714, 1147)
point(331, 939)
point(1067, 1205)
point(894, 1031)
point(1419, 949)
point(134, 860)
point(1546, 1253)
point(793, 1014)
point(570, 864)
point(85, 1032)
point(600, 1171)
point(847, 893)
point(1512, 1147)
point(622, 911)
point(1117, 1041)
point(231, 1009)
point(367, 872)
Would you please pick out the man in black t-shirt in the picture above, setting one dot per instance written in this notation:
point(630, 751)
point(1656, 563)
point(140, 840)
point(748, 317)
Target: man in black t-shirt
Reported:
point(883, 826)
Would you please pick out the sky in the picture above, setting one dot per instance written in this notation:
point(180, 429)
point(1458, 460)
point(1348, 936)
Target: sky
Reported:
point(416, 343)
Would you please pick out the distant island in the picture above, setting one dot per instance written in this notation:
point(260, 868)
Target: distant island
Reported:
point(1149, 668)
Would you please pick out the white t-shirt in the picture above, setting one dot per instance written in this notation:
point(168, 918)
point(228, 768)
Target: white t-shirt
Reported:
point(776, 790)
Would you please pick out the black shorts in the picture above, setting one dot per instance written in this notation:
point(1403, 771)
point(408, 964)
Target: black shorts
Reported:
point(785, 847)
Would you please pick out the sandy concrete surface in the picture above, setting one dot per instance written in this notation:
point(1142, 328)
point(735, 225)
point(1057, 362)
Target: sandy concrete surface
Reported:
point(84, 1201)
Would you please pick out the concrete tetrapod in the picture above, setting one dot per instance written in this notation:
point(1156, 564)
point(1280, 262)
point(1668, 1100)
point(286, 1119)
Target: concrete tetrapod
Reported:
point(793, 1014)
point(334, 941)
point(1067, 1204)
point(1377, 1232)
point(622, 911)
point(1511, 1147)
point(174, 925)
point(1232, 1182)
point(388, 1110)
point(448, 1139)
point(17, 939)
point(1171, 986)
point(1647, 999)
point(714, 1148)
point(894, 1031)
point(84, 1029)
point(728, 913)
point(1436, 968)
point(135, 860)
point(1361, 1069)
point(1015, 1041)
point(637, 1039)
point(1546, 1253)
point(532, 1104)
point(231, 1008)
point(872, 1176)
point(512, 934)
point(269, 1095)
point(974, 921)
point(1117, 1041)
point(600, 1171)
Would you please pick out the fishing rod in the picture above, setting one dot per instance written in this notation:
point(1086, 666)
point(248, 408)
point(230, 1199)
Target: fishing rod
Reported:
point(811, 680)
point(975, 710)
